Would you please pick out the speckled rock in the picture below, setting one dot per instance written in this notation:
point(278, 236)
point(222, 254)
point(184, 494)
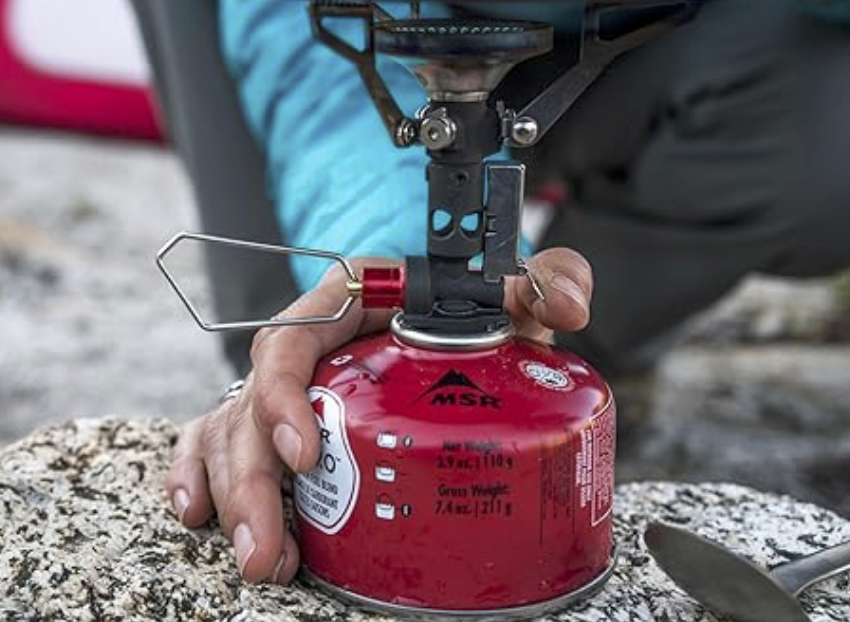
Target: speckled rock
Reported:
point(86, 534)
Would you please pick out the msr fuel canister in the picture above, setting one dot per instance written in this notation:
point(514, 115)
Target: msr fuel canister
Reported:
point(471, 476)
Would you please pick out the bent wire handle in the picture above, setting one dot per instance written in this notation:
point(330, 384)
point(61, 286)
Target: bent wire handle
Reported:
point(353, 281)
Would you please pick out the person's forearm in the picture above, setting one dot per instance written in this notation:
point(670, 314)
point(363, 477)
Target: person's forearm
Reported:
point(337, 181)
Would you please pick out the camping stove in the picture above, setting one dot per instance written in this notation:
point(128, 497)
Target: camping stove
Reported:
point(465, 472)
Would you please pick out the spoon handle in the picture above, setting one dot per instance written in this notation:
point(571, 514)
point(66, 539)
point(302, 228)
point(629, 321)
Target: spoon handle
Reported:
point(799, 574)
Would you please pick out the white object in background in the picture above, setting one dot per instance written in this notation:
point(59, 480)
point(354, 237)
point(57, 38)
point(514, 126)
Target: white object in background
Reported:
point(95, 39)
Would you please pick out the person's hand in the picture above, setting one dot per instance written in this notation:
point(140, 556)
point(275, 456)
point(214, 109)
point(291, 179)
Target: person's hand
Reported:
point(232, 460)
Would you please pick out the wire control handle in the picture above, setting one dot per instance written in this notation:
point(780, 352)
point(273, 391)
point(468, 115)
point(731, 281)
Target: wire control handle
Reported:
point(380, 287)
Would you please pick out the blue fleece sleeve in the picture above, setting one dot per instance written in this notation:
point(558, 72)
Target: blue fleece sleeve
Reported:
point(337, 181)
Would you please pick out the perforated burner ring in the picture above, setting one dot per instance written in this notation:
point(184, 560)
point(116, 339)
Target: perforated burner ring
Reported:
point(448, 38)
point(461, 60)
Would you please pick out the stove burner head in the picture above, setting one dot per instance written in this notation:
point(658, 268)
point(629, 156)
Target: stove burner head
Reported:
point(461, 60)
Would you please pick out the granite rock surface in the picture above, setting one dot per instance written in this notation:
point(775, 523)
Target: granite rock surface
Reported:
point(87, 535)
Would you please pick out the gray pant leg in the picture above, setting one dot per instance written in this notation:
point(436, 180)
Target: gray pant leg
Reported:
point(227, 170)
point(710, 154)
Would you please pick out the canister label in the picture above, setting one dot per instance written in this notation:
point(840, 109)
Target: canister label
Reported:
point(603, 430)
point(326, 496)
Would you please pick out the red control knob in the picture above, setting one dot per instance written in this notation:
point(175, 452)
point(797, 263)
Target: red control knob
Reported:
point(383, 288)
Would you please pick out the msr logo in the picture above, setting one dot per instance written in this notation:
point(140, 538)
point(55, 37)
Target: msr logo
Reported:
point(455, 389)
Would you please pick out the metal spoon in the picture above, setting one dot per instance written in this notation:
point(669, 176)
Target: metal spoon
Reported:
point(734, 587)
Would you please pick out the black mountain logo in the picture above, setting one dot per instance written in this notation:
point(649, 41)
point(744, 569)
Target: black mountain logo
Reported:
point(455, 389)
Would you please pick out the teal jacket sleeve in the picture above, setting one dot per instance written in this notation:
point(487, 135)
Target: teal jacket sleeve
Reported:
point(337, 181)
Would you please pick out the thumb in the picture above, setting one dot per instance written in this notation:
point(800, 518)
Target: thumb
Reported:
point(555, 295)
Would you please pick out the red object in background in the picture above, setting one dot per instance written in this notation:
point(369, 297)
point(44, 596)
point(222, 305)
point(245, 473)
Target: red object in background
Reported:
point(459, 480)
point(35, 95)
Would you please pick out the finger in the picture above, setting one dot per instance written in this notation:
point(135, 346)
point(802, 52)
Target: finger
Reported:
point(565, 280)
point(215, 446)
point(186, 483)
point(284, 362)
point(290, 560)
point(251, 512)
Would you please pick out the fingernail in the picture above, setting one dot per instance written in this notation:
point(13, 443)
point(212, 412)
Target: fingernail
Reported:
point(278, 567)
point(244, 545)
point(567, 286)
point(287, 440)
point(180, 501)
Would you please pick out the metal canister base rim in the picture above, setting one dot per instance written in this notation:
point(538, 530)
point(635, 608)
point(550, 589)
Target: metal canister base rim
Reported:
point(507, 614)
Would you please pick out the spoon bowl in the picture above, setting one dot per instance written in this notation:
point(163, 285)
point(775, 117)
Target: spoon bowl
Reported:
point(732, 586)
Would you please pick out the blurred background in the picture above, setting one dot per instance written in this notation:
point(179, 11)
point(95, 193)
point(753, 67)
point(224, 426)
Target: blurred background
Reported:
point(759, 392)
point(89, 191)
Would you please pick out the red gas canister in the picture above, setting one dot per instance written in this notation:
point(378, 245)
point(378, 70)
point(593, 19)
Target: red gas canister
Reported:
point(469, 475)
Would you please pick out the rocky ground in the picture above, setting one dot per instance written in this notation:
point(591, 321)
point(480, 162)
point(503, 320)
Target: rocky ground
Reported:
point(758, 394)
point(86, 536)
point(87, 324)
